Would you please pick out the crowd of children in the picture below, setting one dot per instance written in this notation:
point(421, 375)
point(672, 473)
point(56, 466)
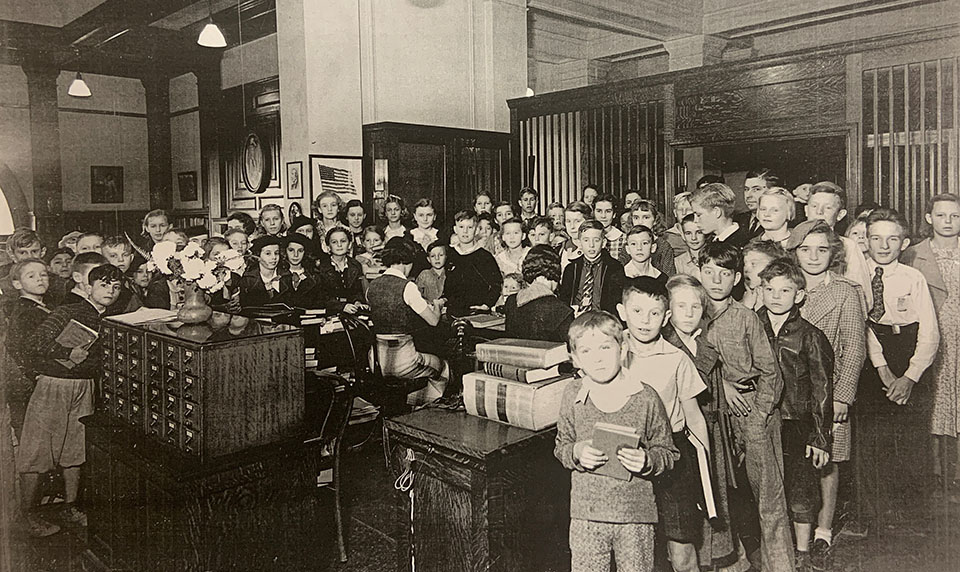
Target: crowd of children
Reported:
point(783, 347)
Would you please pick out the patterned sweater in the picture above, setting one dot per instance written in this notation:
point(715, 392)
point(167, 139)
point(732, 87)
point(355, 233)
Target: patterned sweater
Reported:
point(604, 499)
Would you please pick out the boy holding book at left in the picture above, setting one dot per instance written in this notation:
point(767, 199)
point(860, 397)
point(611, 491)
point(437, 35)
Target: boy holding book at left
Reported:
point(52, 433)
point(610, 514)
point(30, 279)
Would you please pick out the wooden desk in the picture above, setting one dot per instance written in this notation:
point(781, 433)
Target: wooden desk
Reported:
point(153, 508)
point(486, 496)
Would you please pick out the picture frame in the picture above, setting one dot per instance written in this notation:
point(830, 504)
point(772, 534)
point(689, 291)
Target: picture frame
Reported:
point(187, 183)
point(106, 184)
point(342, 174)
point(295, 180)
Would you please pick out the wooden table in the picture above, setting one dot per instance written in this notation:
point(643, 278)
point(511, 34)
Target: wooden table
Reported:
point(486, 496)
point(154, 508)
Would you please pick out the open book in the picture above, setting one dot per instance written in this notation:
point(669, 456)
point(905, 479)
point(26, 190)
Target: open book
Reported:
point(75, 335)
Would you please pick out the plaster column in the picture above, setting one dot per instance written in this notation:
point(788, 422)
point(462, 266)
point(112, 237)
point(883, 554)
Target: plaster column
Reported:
point(443, 62)
point(157, 92)
point(45, 147)
point(208, 99)
point(695, 51)
point(319, 55)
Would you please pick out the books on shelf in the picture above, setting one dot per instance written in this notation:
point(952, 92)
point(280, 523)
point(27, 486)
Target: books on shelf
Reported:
point(531, 406)
point(523, 353)
point(610, 438)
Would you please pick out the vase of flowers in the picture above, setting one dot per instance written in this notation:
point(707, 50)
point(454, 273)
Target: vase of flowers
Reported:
point(198, 275)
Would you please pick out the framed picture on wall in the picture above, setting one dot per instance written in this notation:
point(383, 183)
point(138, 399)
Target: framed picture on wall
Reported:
point(295, 180)
point(340, 174)
point(106, 184)
point(187, 183)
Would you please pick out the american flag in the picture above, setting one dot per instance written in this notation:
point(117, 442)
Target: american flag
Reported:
point(337, 180)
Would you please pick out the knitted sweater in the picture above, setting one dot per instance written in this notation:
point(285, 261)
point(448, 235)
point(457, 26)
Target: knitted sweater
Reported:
point(604, 499)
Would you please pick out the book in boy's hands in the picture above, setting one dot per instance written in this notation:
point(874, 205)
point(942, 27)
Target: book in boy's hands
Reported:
point(610, 438)
point(523, 353)
point(75, 335)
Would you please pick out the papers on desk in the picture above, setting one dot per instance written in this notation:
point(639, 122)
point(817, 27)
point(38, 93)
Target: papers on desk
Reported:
point(146, 316)
point(362, 411)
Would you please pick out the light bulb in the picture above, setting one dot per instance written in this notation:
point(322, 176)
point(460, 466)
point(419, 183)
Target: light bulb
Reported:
point(211, 36)
point(78, 87)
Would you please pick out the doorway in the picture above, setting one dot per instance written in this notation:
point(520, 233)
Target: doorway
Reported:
point(796, 161)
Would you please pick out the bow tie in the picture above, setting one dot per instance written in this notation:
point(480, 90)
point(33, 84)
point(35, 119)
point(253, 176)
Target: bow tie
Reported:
point(272, 284)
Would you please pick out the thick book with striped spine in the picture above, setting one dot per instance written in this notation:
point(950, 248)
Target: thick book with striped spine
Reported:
point(531, 406)
point(525, 374)
point(523, 353)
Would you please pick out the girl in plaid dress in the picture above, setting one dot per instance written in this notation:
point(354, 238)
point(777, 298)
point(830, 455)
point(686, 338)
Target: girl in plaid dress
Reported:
point(837, 307)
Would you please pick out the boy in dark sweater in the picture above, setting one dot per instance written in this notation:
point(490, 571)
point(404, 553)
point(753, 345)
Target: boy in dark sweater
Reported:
point(473, 276)
point(805, 358)
point(593, 281)
point(608, 514)
point(52, 433)
point(30, 279)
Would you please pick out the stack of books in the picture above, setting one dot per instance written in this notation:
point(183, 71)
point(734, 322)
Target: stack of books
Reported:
point(520, 382)
point(310, 358)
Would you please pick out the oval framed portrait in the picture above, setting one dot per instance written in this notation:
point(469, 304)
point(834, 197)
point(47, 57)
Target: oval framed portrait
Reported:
point(255, 163)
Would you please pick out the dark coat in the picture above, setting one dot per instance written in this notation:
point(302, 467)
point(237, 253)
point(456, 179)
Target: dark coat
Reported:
point(805, 358)
point(340, 289)
point(611, 282)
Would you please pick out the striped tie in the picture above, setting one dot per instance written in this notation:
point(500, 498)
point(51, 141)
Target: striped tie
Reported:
point(876, 286)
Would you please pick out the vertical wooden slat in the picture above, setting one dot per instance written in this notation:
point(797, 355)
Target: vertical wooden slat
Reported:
point(894, 188)
point(907, 149)
point(556, 141)
point(923, 130)
point(952, 142)
point(938, 188)
point(548, 152)
point(877, 171)
point(578, 141)
point(540, 152)
point(646, 154)
point(655, 147)
point(591, 150)
point(619, 189)
point(523, 152)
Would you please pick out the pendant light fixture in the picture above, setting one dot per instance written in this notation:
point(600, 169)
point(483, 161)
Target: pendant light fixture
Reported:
point(211, 36)
point(78, 87)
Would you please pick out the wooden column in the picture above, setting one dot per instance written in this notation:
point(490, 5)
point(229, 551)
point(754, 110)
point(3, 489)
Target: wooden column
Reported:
point(208, 95)
point(157, 86)
point(45, 150)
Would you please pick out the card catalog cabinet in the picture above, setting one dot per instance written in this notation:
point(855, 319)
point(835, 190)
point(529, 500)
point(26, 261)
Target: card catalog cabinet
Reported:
point(202, 391)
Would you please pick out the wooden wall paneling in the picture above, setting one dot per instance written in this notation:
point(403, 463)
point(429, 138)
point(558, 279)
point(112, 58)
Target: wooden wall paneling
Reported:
point(577, 162)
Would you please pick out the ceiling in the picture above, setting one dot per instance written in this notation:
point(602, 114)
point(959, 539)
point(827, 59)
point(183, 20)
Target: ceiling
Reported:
point(124, 37)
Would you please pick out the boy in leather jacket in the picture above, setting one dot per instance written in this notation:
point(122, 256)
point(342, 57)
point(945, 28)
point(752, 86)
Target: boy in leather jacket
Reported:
point(806, 359)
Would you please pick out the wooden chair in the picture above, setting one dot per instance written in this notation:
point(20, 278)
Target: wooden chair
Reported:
point(389, 392)
point(331, 419)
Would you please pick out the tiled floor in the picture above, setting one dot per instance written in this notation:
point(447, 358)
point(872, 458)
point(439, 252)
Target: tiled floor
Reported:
point(927, 541)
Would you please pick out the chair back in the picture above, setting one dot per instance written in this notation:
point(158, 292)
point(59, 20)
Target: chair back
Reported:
point(361, 340)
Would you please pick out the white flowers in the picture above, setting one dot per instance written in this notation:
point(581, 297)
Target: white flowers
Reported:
point(190, 265)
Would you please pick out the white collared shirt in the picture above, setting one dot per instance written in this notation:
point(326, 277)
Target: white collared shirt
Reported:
point(906, 300)
point(727, 232)
point(411, 294)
